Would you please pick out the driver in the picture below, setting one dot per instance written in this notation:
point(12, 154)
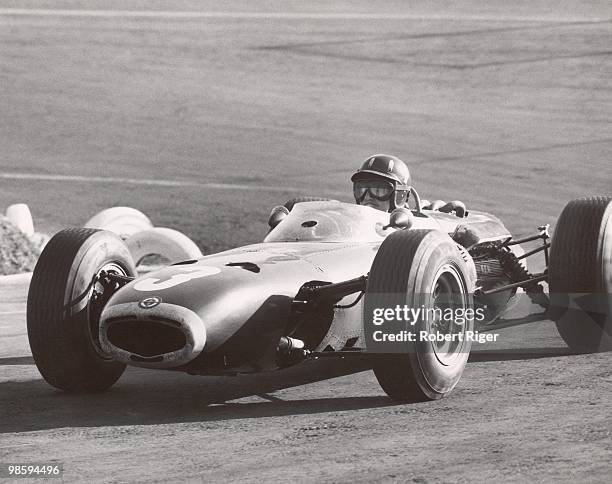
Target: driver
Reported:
point(383, 182)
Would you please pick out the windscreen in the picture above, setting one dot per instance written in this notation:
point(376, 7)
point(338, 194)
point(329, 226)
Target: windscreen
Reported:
point(330, 221)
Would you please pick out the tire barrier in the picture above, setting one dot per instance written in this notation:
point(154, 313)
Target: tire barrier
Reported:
point(20, 216)
point(168, 243)
point(123, 221)
point(131, 225)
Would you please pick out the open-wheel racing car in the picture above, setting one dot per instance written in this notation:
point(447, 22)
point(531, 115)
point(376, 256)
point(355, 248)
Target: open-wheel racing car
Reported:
point(310, 290)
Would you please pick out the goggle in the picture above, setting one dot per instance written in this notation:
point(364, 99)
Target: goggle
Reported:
point(378, 190)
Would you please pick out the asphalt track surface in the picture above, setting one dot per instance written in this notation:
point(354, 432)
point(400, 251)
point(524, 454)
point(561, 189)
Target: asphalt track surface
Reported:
point(206, 121)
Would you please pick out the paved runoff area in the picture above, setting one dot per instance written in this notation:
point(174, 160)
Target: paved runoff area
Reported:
point(206, 114)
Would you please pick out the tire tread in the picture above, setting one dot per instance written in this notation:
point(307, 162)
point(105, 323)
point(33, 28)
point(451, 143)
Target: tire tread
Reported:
point(55, 341)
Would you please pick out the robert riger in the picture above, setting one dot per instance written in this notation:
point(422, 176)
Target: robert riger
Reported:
point(473, 336)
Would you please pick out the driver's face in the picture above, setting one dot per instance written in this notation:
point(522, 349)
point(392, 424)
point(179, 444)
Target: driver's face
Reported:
point(370, 201)
point(373, 193)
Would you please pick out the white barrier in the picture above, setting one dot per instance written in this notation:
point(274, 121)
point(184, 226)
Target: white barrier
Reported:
point(168, 243)
point(20, 216)
point(124, 221)
point(133, 226)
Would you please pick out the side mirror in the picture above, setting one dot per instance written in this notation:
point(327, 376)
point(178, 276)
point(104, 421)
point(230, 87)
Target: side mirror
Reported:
point(277, 215)
point(400, 218)
point(455, 206)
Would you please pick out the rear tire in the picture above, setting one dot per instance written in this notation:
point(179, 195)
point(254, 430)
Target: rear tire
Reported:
point(580, 274)
point(415, 268)
point(62, 315)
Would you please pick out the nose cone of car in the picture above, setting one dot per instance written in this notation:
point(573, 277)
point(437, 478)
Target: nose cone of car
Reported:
point(151, 333)
point(168, 317)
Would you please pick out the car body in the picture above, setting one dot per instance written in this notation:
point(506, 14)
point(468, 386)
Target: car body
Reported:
point(234, 306)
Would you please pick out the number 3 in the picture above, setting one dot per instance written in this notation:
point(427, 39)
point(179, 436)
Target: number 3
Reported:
point(153, 284)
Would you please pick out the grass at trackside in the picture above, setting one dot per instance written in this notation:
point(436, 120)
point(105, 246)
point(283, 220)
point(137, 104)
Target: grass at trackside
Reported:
point(17, 252)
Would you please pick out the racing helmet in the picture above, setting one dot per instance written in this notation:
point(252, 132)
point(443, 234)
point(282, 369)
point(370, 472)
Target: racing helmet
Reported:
point(388, 168)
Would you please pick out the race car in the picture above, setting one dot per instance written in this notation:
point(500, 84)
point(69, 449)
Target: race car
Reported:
point(330, 279)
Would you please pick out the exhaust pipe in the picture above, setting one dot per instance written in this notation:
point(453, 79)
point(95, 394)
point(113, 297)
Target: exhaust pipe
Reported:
point(288, 345)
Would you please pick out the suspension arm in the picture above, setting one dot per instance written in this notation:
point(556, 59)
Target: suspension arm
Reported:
point(118, 278)
point(339, 289)
point(535, 278)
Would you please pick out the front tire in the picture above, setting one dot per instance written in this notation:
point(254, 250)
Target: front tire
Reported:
point(63, 314)
point(422, 269)
point(580, 275)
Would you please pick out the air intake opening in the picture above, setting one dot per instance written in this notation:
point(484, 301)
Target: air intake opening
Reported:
point(145, 338)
